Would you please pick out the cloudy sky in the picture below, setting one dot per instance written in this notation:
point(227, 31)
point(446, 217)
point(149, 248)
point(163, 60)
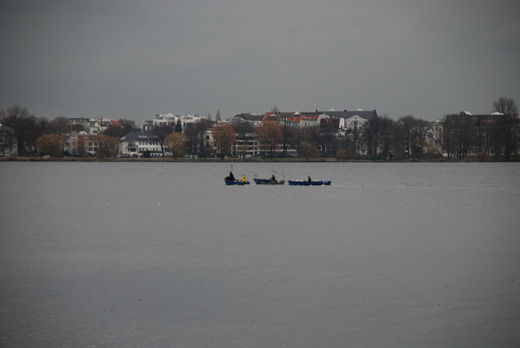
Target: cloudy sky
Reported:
point(134, 59)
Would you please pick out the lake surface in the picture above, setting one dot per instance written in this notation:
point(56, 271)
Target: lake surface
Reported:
point(166, 255)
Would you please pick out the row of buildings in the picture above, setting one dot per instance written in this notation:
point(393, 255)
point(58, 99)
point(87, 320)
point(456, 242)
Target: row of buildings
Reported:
point(456, 135)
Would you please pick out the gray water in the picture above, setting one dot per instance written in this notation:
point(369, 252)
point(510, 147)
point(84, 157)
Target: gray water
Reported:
point(166, 255)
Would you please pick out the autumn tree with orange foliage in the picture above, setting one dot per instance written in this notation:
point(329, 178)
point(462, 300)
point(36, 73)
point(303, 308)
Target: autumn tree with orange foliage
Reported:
point(224, 138)
point(269, 136)
point(174, 144)
point(51, 145)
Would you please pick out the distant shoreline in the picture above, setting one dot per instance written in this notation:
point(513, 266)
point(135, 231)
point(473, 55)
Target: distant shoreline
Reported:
point(248, 160)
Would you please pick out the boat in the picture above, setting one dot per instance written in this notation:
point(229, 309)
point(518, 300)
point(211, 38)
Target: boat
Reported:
point(309, 183)
point(235, 182)
point(268, 182)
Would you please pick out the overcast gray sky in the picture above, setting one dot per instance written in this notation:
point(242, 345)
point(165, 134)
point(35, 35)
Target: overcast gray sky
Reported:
point(134, 58)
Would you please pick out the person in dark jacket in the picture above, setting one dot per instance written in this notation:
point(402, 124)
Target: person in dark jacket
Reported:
point(230, 176)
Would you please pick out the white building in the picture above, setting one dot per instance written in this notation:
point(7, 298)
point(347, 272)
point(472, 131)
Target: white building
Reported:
point(188, 119)
point(170, 119)
point(352, 122)
point(147, 126)
point(92, 125)
point(71, 142)
point(8, 144)
point(140, 144)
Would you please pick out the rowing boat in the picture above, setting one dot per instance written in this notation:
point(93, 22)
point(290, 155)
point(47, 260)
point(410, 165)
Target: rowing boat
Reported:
point(235, 182)
point(309, 183)
point(269, 182)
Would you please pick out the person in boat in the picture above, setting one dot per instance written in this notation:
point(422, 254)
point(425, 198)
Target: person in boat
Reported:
point(230, 176)
point(243, 178)
point(273, 178)
point(309, 179)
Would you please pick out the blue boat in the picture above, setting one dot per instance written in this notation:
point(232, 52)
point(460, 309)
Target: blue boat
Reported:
point(235, 182)
point(309, 183)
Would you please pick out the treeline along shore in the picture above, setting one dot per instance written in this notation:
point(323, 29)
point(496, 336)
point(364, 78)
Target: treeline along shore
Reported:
point(321, 136)
point(437, 159)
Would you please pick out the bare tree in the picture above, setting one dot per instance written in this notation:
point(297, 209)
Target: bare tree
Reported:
point(356, 135)
point(60, 125)
point(370, 136)
point(195, 143)
point(107, 146)
point(289, 134)
point(307, 150)
point(459, 134)
point(407, 123)
point(242, 128)
point(27, 128)
point(507, 128)
point(162, 131)
point(120, 128)
point(505, 105)
point(385, 135)
point(413, 131)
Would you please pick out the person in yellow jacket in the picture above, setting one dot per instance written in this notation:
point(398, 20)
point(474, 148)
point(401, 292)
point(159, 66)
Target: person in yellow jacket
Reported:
point(243, 178)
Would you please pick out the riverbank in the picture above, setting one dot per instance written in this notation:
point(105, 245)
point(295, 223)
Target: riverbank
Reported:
point(245, 160)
